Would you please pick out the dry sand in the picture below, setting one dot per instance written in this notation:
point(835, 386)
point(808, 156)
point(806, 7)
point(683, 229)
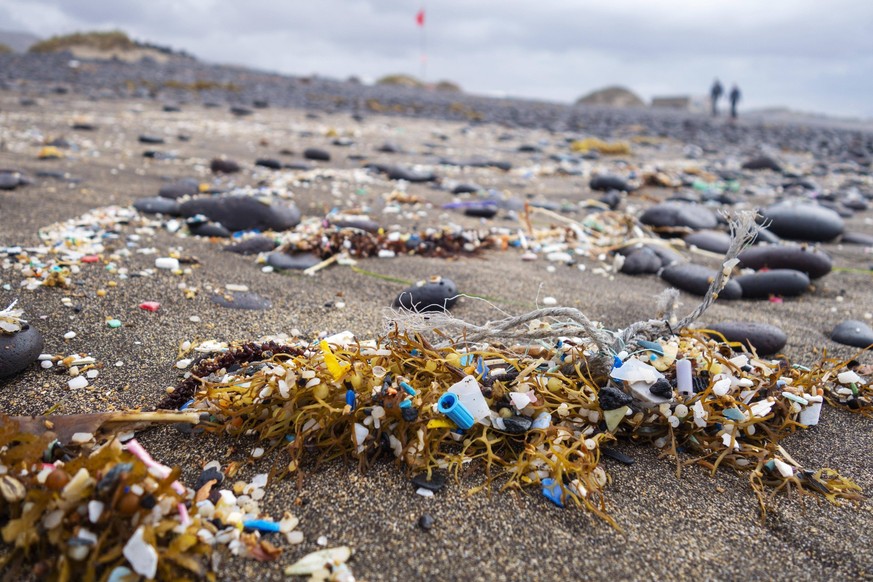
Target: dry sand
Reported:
point(693, 527)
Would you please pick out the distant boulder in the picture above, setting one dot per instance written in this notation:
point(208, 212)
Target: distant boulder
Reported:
point(400, 80)
point(614, 96)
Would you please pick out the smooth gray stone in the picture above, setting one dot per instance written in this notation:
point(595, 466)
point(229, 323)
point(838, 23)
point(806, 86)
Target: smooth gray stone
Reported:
point(803, 222)
point(695, 279)
point(252, 246)
point(781, 282)
point(813, 262)
point(187, 187)
point(641, 261)
point(298, 262)
point(762, 163)
point(243, 212)
point(679, 214)
point(607, 182)
point(857, 238)
point(317, 154)
point(714, 241)
point(219, 166)
point(19, 350)
point(241, 300)
point(432, 296)
point(157, 205)
point(853, 333)
point(764, 338)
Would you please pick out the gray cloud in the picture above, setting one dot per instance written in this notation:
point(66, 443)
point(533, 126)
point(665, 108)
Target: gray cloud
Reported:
point(804, 54)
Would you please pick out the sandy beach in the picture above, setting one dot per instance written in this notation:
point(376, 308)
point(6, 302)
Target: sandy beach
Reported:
point(696, 526)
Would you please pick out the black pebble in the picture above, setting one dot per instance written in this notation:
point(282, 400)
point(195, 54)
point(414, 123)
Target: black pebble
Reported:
point(297, 261)
point(853, 333)
point(425, 522)
point(208, 475)
point(766, 339)
point(220, 166)
point(157, 205)
point(19, 350)
point(269, 163)
point(695, 279)
point(241, 300)
point(641, 261)
point(607, 182)
point(436, 484)
point(517, 424)
point(782, 282)
point(252, 246)
point(316, 154)
point(432, 296)
point(611, 398)
point(811, 261)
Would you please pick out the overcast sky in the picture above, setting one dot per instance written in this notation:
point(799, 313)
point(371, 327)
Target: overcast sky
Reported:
point(810, 55)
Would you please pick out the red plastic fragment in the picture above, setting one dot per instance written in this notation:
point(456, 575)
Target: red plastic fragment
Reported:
point(90, 259)
point(150, 305)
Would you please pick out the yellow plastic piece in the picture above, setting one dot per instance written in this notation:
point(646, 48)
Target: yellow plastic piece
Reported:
point(49, 153)
point(440, 423)
point(618, 148)
point(664, 362)
point(336, 368)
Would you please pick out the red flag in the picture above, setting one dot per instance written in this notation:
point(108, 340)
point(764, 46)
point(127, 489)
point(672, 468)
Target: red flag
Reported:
point(419, 18)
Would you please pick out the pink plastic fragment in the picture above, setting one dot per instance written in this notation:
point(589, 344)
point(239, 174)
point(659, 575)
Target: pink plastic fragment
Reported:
point(183, 514)
point(90, 259)
point(150, 305)
point(137, 450)
point(775, 300)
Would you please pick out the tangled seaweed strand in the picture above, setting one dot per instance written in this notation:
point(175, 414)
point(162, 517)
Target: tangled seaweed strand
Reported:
point(547, 418)
point(71, 511)
point(94, 512)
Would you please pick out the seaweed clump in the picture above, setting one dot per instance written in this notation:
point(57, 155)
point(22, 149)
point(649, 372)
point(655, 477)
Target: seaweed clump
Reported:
point(547, 412)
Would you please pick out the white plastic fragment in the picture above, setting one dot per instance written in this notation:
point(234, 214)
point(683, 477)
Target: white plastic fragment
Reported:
point(849, 377)
point(810, 414)
point(167, 263)
point(634, 370)
point(424, 492)
point(722, 386)
point(683, 377)
point(317, 560)
point(70, 335)
point(95, 510)
point(77, 382)
point(470, 396)
point(142, 556)
point(361, 433)
point(784, 468)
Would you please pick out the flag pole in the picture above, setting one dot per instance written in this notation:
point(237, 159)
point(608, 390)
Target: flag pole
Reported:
point(423, 45)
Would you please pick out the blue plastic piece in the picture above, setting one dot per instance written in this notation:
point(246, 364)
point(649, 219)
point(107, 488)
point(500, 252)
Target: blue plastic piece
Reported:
point(652, 347)
point(616, 362)
point(415, 352)
point(409, 389)
point(553, 491)
point(449, 405)
point(351, 399)
point(466, 359)
point(187, 404)
point(406, 404)
point(261, 525)
point(482, 368)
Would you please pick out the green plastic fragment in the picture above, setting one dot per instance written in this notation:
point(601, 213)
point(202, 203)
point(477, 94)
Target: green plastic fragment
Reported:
point(113, 323)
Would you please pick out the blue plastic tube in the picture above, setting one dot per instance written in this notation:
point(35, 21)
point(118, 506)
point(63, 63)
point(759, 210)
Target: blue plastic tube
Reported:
point(449, 405)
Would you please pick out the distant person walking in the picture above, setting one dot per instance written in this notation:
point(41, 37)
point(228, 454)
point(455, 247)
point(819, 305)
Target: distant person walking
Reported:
point(734, 96)
point(715, 95)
